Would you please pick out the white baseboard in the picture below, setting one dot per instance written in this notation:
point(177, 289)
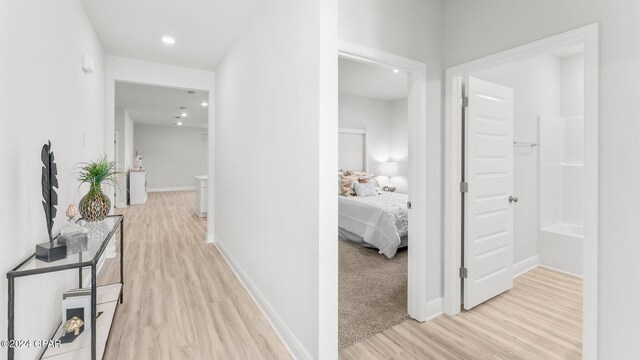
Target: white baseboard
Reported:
point(210, 239)
point(181, 188)
point(561, 271)
point(526, 265)
point(434, 308)
point(293, 344)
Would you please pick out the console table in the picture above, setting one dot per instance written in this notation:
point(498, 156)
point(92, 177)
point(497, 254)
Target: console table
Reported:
point(89, 344)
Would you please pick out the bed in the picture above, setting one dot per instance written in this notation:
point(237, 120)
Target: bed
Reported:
point(375, 221)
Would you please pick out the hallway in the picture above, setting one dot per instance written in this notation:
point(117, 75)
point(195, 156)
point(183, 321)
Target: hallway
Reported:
point(181, 299)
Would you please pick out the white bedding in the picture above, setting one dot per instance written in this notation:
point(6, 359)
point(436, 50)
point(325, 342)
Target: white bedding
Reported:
point(379, 220)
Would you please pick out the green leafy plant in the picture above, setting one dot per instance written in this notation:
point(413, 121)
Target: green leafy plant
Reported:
point(96, 173)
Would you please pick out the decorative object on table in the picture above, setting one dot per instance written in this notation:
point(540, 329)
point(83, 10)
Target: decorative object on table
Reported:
point(96, 231)
point(95, 205)
point(72, 329)
point(52, 250)
point(389, 188)
point(77, 302)
point(72, 211)
point(137, 161)
point(73, 235)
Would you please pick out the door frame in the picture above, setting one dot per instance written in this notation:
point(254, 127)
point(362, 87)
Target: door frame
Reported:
point(134, 71)
point(417, 305)
point(588, 36)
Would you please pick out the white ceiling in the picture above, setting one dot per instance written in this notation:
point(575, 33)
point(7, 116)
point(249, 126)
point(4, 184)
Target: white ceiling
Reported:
point(356, 78)
point(157, 105)
point(204, 30)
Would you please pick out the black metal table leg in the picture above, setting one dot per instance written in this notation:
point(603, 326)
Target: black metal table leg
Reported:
point(80, 271)
point(122, 260)
point(94, 300)
point(10, 318)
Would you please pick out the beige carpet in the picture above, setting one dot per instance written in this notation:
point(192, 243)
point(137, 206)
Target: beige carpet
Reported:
point(372, 292)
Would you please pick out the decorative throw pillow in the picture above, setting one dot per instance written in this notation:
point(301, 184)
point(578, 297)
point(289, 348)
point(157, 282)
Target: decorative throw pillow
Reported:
point(369, 179)
point(347, 184)
point(365, 189)
point(357, 173)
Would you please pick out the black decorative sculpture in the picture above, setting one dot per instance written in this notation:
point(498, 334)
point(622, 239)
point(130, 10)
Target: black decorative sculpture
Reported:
point(49, 182)
point(50, 251)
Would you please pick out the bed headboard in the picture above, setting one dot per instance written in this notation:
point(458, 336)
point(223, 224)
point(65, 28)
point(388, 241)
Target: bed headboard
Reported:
point(352, 149)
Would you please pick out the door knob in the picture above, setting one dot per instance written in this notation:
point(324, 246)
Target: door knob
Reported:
point(513, 199)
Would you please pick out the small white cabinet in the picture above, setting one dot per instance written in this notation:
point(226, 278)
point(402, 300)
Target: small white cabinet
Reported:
point(137, 187)
point(201, 195)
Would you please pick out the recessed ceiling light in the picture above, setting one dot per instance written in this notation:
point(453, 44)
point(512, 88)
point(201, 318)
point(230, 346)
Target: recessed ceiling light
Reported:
point(204, 103)
point(184, 114)
point(179, 123)
point(396, 71)
point(168, 40)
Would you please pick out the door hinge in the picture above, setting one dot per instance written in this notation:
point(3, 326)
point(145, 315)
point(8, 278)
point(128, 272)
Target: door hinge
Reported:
point(464, 102)
point(463, 272)
point(464, 187)
point(409, 205)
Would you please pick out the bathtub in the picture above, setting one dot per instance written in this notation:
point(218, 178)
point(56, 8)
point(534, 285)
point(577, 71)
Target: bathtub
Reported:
point(560, 248)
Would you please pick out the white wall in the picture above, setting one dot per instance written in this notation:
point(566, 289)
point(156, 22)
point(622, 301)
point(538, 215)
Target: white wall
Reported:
point(572, 112)
point(536, 87)
point(399, 143)
point(387, 126)
point(288, 256)
point(373, 115)
point(572, 85)
point(128, 141)
point(477, 28)
point(413, 29)
point(47, 96)
point(124, 127)
point(172, 155)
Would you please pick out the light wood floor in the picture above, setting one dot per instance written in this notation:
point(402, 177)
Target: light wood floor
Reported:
point(182, 301)
point(540, 318)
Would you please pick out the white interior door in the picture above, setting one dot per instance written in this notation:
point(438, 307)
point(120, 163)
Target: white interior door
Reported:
point(488, 211)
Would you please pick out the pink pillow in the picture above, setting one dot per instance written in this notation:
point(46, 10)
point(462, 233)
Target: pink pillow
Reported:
point(347, 184)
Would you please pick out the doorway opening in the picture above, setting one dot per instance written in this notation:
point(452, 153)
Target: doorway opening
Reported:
point(373, 162)
point(399, 169)
point(163, 142)
point(521, 183)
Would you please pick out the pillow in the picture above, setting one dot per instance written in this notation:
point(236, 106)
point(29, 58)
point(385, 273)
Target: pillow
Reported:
point(347, 184)
point(365, 189)
point(356, 173)
point(369, 179)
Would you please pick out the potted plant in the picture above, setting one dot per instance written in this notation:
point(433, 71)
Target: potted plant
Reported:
point(95, 205)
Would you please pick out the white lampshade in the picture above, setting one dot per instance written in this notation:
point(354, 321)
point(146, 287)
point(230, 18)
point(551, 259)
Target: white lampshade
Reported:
point(388, 168)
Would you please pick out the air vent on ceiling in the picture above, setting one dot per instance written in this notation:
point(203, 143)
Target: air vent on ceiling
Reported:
point(191, 92)
point(182, 107)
